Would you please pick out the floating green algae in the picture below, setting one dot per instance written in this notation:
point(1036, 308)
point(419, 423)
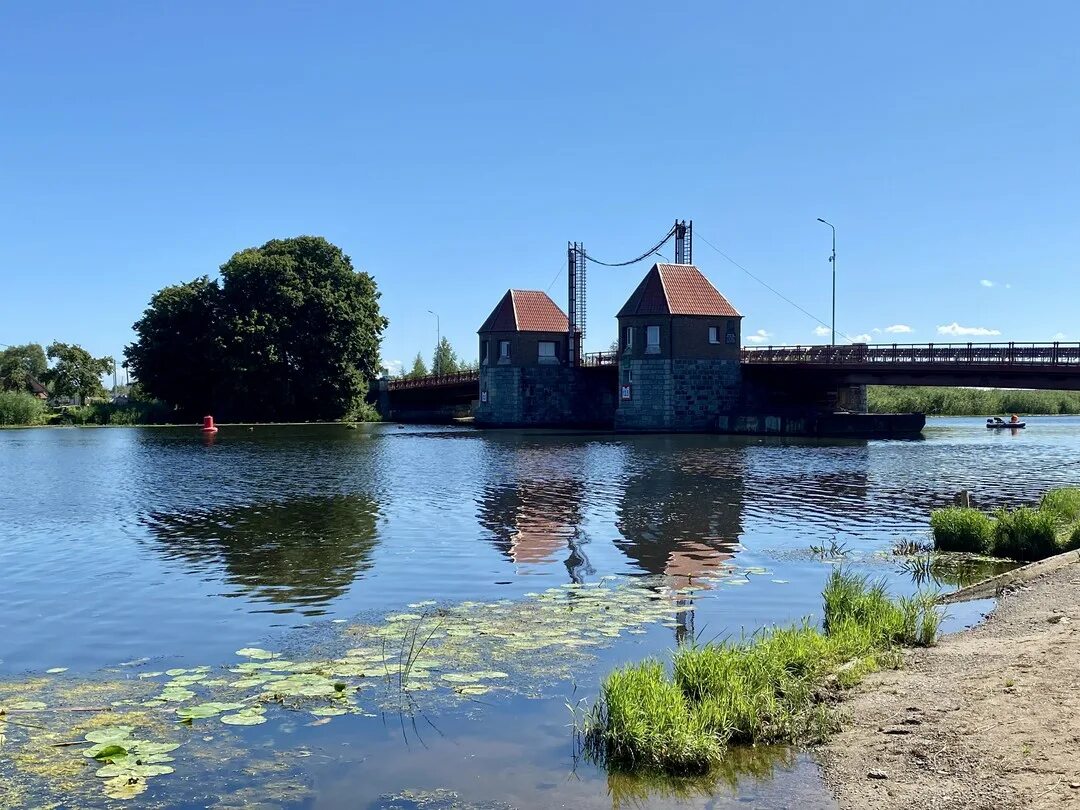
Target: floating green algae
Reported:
point(437, 656)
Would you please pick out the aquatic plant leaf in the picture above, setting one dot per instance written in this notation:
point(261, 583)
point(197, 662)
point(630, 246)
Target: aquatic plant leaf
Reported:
point(56, 670)
point(176, 694)
point(241, 719)
point(145, 675)
point(110, 734)
point(172, 673)
point(255, 652)
point(208, 709)
point(110, 753)
point(473, 689)
point(133, 770)
point(26, 706)
point(328, 711)
point(123, 787)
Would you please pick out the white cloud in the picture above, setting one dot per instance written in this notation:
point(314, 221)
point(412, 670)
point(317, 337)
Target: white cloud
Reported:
point(822, 331)
point(957, 330)
point(986, 282)
point(394, 367)
point(1060, 336)
point(898, 329)
point(760, 336)
point(862, 339)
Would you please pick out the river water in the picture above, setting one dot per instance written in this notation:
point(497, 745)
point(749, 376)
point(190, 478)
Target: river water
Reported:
point(149, 548)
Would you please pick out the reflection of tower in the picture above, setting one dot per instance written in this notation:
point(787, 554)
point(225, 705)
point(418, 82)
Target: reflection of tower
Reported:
point(680, 514)
point(537, 514)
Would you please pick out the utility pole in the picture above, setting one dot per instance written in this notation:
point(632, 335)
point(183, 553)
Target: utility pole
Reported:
point(438, 342)
point(832, 261)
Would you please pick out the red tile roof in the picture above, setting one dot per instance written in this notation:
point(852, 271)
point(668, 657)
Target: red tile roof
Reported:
point(677, 289)
point(526, 311)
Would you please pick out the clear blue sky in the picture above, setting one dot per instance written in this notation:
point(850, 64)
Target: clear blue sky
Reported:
point(452, 149)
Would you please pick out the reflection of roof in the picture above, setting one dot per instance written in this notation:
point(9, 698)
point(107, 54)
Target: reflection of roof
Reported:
point(677, 289)
point(525, 311)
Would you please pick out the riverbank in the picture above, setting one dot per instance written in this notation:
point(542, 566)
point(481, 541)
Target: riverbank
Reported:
point(987, 719)
point(943, 401)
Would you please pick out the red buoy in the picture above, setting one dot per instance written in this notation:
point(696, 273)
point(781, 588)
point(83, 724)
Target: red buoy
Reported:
point(208, 425)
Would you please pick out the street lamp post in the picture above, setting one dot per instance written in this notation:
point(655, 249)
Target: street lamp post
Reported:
point(438, 341)
point(832, 261)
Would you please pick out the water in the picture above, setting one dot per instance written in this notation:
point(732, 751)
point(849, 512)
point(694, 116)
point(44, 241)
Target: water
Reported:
point(119, 545)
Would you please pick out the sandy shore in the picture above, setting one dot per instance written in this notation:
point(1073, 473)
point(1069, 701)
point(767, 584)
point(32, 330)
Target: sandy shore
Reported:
point(990, 718)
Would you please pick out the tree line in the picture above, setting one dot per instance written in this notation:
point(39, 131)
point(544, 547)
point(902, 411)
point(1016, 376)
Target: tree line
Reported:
point(444, 360)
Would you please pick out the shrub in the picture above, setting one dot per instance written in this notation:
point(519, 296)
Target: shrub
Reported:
point(1025, 534)
point(21, 408)
point(962, 529)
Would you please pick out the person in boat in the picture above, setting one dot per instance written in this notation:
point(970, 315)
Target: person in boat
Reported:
point(1015, 419)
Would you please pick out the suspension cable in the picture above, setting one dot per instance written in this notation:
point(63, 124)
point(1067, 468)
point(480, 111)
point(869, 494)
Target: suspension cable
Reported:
point(644, 255)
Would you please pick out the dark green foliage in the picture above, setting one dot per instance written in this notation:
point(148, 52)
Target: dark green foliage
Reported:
point(177, 353)
point(291, 333)
point(112, 413)
point(969, 401)
point(20, 408)
point(75, 372)
point(1025, 534)
point(962, 529)
point(18, 364)
point(763, 690)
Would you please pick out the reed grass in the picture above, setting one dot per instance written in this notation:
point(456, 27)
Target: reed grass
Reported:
point(761, 690)
point(937, 401)
point(1025, 534)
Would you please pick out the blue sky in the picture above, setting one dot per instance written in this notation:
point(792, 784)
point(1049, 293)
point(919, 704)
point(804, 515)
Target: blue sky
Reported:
point(452, 149)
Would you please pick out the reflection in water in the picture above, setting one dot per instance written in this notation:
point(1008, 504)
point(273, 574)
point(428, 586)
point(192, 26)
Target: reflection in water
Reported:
point(957, 570)
point(304, 552)
point(534, 517)
point(740, 765)
point(682, 516)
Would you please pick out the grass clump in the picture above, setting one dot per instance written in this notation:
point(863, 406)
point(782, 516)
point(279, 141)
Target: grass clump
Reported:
point(651, 725)
point(1025, 534)
point(958, 528)
point(766, 689)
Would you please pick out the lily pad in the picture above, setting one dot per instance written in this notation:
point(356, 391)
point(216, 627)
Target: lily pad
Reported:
point(244, 718)
point(255, 652)
point(56, 670)
point(328, 711)
point(203, 710)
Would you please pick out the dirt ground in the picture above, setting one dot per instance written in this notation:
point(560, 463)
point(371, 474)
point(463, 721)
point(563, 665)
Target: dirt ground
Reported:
point(990, 718)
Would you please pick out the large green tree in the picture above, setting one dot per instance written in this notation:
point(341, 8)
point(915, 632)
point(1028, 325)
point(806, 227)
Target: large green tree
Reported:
point(176, 356)
point(75, 372)
point(20, 363)
point(291, 332)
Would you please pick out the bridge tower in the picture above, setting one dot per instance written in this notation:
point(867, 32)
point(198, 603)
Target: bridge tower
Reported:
point(684, 242)
point(575, 301)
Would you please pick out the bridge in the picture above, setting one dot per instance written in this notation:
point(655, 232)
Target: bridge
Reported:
point(985, 365)
point(1054, 366)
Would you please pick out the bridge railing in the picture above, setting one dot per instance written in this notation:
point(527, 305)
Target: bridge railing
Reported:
point(593, 359)
point(434, 380)
point(860, 354)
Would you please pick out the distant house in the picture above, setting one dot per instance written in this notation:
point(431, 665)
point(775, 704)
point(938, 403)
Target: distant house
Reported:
point(36, 387)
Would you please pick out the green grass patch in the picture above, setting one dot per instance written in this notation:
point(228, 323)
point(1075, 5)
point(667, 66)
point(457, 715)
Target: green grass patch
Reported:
point(1025, 534)
point(959, 528)
point(761, 690)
